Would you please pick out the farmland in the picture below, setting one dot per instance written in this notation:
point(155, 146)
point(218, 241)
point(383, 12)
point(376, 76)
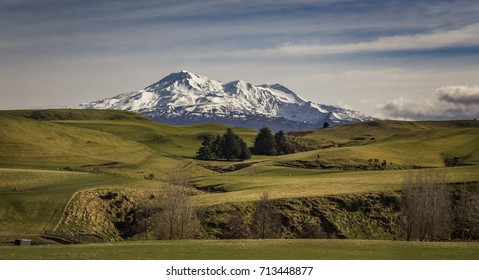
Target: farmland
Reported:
point(56, 165)
point(251, 250)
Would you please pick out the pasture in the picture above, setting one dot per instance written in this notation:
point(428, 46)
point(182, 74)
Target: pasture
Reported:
point(250, 250)
point(48, 158)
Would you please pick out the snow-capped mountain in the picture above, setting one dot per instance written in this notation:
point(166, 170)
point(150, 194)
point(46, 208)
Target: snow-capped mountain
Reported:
point(188, 98)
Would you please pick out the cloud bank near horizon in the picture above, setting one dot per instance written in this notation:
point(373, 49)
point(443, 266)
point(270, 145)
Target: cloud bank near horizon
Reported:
point(448, 102)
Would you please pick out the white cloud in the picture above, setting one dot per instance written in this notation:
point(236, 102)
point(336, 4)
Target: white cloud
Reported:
point(448, 102)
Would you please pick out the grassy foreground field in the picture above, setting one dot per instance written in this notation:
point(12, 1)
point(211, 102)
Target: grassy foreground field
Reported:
point(251, 250)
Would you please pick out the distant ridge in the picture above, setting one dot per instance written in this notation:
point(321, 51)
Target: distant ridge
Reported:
point(188, 98)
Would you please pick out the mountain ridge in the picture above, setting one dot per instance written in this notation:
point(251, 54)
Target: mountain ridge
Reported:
point(188, 98)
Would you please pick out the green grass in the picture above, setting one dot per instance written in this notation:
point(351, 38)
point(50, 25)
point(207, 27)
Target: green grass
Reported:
point(108, 141)
point(37, 144)
point(282, 182)
point(251, 250)
point(117, 149)
point(403, 143)
point(32, 201)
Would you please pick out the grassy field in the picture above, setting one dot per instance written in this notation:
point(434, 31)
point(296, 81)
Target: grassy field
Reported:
point(48, 156)
point(286, 183)
point(32, 201)
point(251, 250)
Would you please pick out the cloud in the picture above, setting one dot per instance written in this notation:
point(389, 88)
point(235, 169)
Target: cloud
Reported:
point(92, 49)
point(465, 95)
point(448, 102)
point(233, 28)
point(467, 36)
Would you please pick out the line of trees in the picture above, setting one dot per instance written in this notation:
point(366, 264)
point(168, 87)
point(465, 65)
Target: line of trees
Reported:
point(229, 146)
point(466, 211)
point(426, 204)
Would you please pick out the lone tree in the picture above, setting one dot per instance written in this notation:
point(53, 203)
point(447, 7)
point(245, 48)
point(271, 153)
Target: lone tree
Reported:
point(143, 217)
point(426, 205)
point(266, 220)
point(178, 219)
point(265, 144)
point(237, 227)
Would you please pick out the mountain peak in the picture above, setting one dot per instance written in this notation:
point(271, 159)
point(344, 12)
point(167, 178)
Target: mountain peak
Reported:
point(187, 98)
point(178, 77)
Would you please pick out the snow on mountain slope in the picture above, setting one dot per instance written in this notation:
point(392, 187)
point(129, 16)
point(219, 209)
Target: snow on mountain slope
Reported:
point(187, 98)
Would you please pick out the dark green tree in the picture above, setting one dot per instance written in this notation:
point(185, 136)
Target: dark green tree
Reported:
point(245, 152)
point(205, 152)
point(216, 146)
point(231, 147)
point(282, 144)
point(265, 144)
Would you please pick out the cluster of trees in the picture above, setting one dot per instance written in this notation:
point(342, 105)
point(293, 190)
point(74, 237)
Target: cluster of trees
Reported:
point(435, 210)
point(268, 144)
point(229, 146)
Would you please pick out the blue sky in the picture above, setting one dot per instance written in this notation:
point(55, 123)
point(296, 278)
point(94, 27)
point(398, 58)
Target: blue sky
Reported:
point(395, 59)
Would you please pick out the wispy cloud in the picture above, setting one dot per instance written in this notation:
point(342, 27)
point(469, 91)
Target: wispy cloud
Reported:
point(467, 36)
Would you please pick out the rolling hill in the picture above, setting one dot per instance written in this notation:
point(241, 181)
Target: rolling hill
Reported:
point(56, 165)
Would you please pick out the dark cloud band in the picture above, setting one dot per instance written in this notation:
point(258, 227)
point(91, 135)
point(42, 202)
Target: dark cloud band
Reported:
point(466, 95)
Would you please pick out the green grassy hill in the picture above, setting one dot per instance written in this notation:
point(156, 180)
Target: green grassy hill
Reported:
point(49, 156)
point(32, 201)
